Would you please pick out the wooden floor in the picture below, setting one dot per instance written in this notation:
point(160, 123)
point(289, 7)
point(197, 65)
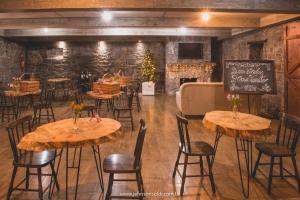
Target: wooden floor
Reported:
point(159, 156)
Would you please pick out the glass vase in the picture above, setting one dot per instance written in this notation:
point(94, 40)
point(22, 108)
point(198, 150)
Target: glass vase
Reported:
point(235, 111)
point(75, 119)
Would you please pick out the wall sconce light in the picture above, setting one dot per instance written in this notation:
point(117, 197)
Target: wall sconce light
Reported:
point(61, 44)
point(106, 16)
point(45, 30)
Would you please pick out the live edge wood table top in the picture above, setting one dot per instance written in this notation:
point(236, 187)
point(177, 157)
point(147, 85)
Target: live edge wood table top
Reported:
point(58, 80)
point(60, 134)
point(102, 96)
point(245, 126)
point(12, 93)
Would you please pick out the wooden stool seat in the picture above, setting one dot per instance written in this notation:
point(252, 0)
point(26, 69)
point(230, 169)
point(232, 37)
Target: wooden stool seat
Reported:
point(36, 159)
point(273, 149)
point(198, 148)
point(119, 163)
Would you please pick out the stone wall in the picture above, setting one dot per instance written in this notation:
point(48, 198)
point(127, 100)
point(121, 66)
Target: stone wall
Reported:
point(172, 84)
point(69, 59)
point(273, 49)
point(10, 54)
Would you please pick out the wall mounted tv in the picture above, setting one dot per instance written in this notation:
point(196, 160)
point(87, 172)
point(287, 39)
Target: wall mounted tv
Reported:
point(190, 51)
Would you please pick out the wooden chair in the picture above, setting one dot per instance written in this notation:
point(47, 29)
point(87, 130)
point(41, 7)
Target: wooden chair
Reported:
point(89, 109)
point(136, 97)
point(126, 164)
point(8, 108)
point(28, 160)
point(288, 133)
point(123, 106)
point(191, 149)
point(44, 109)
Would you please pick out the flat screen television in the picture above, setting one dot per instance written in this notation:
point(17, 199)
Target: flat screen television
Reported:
point(190, 51)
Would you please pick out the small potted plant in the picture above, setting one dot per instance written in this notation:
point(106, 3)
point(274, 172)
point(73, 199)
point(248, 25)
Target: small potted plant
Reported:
point(235, 101)
point(148, 74)
point(77, 108)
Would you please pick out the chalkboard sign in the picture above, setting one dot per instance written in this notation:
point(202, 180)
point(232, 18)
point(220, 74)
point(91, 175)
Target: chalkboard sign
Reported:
point(249, 77)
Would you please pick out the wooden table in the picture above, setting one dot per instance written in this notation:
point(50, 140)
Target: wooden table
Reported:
point(58, 80)
point(62, 135)
point(100, 97)
point(19, 96)
point(245, 128)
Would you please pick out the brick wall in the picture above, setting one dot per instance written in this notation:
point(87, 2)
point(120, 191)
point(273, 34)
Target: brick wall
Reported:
point(274, 49)
point(69, 59)
point(10, 54)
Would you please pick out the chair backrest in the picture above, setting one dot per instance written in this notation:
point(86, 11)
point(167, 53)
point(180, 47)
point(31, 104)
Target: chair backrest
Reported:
point(50, 93)
point(16, 130)
point(288, 131)
point(139, 143)
point(130, 98)
point(184, 137)
point(78, 97)
point(137, 87)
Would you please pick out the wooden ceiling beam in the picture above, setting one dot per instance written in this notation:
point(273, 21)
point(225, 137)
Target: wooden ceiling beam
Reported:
point(221, 33)
point(129, 22)
point(277, 18)
point(270, 6)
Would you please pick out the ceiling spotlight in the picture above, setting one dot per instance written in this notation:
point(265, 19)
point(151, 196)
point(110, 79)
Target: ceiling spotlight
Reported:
point(106, 16)
point(45, 30)
point(182, 29)
point(205, 16)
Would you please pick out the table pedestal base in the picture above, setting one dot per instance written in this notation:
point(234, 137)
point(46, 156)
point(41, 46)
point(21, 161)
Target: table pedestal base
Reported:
point(96, 152)
point(243, 146)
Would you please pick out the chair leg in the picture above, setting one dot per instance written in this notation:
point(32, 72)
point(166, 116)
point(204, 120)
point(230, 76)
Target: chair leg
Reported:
point(138, 103)
point(256, 164)
point(40, 183)
point(54, 176)
point(270, 175)
point(176, 163)
point(201, 165)
point(109, 187)
point(53, 117)
point(281, 166)
point(131, 119)
point(142, 182)
point(211, 176)
point(11, 185)
point(139, 184)
point(296, 172)
point(27, 178)
point(184, 174)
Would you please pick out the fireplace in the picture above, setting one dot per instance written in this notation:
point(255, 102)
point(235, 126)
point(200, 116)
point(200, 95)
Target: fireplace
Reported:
point(187, 80)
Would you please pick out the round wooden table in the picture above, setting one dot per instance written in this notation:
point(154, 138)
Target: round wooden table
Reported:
point(19, 95)
point(103, 97)
point(244, 128)
point(62, 135)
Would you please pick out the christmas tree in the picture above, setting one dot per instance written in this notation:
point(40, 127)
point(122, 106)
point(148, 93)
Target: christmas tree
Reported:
point(148, 67)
